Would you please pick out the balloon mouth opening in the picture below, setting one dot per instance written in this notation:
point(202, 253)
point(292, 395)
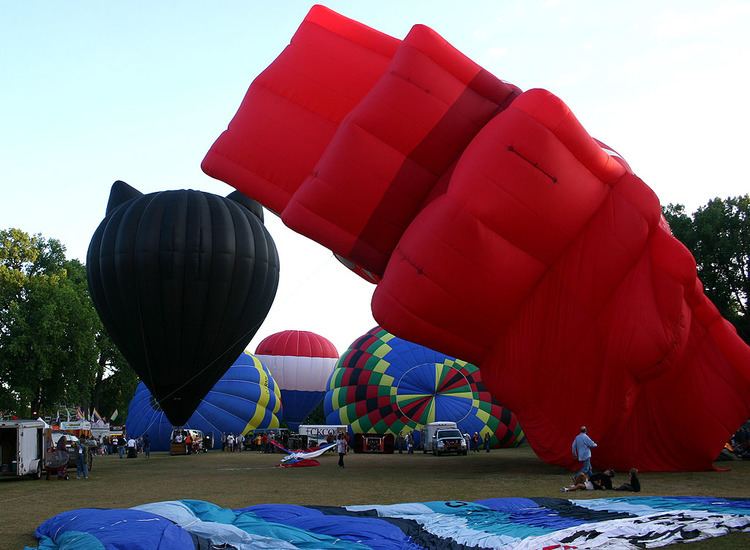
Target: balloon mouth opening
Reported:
point(433, 392)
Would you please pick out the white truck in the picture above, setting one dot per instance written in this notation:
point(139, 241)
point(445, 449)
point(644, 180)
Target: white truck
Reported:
point(22, 448)
point(442, 438)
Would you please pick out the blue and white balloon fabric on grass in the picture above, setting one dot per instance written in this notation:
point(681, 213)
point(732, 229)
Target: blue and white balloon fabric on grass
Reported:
point(525, 523)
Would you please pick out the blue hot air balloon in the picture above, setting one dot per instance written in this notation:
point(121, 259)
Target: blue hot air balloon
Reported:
point(244, 399)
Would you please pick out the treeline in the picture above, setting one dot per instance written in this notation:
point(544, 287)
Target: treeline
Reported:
point(53, 348)
point(718, 235)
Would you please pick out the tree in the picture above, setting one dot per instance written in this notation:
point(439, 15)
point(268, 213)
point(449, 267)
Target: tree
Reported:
point(316, 416)
point(118, 389)
point(718, 235)
point(53, 349)
point(46, 322)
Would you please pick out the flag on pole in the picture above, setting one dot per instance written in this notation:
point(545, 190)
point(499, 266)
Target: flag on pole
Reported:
point(114, 415)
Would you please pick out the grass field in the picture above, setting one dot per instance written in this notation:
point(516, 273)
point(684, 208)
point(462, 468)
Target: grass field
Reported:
point(242, 479)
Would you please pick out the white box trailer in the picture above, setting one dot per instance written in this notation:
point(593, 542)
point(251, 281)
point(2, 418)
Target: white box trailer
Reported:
point(319, 434)
point(22, 448)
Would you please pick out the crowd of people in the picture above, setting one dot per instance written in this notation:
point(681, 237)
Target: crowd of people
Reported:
point(261, 442)
point(123, 446)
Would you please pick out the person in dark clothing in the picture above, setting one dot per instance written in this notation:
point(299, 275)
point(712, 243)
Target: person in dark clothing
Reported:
point(146, 445)
point(603, 480)
point(633, 483)
point(121, 445)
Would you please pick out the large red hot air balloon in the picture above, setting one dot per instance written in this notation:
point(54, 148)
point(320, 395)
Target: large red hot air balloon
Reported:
point(503, 233)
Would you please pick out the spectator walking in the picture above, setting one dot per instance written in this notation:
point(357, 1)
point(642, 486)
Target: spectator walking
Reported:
point(341, 448)
point(146, 445)
point(582, 445)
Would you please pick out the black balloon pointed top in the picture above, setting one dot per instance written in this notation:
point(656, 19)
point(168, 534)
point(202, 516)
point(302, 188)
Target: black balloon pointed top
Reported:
point(121, 193)
point(252, 205)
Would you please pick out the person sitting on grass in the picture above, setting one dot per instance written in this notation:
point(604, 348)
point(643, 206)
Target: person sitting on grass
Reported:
point(580, 483)
point(633, 484)
point(603, 480)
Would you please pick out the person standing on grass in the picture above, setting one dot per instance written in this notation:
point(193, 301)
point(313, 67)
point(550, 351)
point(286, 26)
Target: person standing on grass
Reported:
point(146, 445)
point(341, 449)
point(487, 442)
point(82, 467)
point(582, 445)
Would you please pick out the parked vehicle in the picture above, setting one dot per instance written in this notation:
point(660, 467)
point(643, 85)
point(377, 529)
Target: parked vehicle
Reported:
point(442, 438)
point(22, 448)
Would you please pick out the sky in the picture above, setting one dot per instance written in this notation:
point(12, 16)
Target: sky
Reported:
point(92, 92)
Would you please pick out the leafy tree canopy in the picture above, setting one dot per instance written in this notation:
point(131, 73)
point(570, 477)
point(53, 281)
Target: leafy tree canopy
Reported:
point(53, 349)
point(718, 235)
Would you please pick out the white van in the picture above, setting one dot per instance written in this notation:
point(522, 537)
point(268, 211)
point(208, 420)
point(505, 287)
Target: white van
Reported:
point(22, 448)
point(442, 438)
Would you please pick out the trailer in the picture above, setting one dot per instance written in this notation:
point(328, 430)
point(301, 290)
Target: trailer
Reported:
point(320, 434)
point(22, 448)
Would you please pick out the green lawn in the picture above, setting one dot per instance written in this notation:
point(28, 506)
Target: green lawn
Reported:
point(242, 479)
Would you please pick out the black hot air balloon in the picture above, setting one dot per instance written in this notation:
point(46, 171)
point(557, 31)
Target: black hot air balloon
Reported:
point(182, 280)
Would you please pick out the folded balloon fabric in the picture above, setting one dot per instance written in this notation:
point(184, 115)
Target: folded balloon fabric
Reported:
point(499, 231)
point(630, 522)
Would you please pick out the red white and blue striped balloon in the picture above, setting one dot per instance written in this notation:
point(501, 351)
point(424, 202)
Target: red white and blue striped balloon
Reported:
point(300, 362)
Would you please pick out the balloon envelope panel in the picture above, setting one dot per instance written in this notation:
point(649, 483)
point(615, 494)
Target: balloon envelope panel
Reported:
point(245, 398)
point(384, 384)
point(300, 362)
